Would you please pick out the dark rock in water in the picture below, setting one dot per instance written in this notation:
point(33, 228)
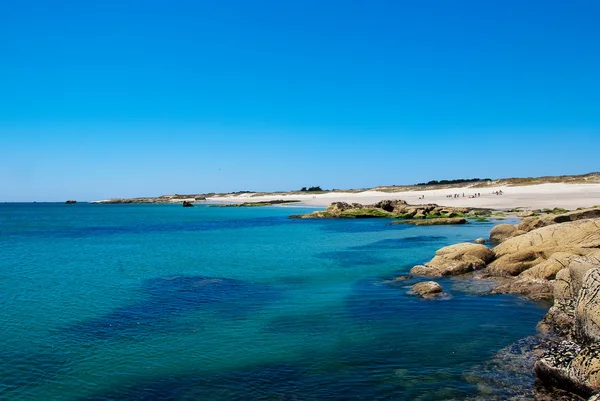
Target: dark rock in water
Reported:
point(70, 202)
point(169, 297)
point(187, 204)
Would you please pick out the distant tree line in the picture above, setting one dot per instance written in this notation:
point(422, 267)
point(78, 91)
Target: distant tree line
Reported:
point(310, 189)
point(459, 181)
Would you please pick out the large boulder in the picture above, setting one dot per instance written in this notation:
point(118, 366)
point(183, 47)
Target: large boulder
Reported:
point(502, 232)
point(456, 259)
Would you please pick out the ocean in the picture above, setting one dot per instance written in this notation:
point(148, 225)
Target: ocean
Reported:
point(144, 302)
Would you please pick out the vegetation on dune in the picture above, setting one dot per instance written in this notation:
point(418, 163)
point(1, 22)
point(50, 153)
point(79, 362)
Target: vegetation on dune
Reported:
point(311, 189)
point(457, 181)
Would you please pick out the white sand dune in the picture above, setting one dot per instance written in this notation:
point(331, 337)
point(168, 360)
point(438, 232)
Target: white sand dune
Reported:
point(568, 196)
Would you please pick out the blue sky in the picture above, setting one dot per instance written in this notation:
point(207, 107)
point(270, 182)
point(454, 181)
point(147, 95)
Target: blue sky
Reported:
point(139, 98)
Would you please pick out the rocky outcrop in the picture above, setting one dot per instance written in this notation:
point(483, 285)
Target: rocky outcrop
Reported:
point(533, 289)
point(502, 232)
point(518, 254)
point(427, 289)
point(434, 222)
point(548, 269)
point(559, 260)
point(398, 209)
point(187, 204)
point(531, 223)
point(455, 259)
point(572, 361)
point(70, 202)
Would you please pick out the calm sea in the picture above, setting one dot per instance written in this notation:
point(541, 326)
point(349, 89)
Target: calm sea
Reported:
point(142, 302)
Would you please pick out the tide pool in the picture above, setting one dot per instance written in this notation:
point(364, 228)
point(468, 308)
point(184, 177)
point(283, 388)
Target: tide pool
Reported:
point(139, 302)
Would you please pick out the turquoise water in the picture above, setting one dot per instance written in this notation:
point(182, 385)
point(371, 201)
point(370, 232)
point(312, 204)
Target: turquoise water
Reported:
point(136, 302)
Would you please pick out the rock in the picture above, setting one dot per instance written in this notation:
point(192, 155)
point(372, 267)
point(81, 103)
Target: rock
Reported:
point(587, 307)
point(501, 232)
point(549, 268)
point(390, 205)
point(70, 202)
point(526, 213)
point(532, 289)
point(531, 223)
point(403, 277)
point(426, 288)
point(456, 259)
point(563, 294)
point(517, 254)
point(479, 241)
point(336, 208)
point(187, 204)
point(555, 368)
point(585, 367)
point(515, 263)
point(433, 222)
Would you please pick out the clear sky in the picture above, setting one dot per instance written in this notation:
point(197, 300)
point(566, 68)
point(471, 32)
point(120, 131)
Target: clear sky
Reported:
point(107, 98)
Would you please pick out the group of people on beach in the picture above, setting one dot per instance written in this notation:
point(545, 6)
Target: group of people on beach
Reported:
point(475, 195)
point(497, 192)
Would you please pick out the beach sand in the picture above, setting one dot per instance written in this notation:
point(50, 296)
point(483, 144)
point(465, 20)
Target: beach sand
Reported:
point(568, 196)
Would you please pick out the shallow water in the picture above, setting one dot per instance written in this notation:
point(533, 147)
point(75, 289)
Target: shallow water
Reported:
point(142, 302)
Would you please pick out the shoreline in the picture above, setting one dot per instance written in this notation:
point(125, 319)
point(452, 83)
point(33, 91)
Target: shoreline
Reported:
point(568, 196)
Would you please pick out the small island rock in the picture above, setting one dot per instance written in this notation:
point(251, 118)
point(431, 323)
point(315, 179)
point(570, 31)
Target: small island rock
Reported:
point(426, 289)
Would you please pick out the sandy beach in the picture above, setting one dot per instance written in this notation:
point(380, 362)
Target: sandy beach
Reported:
point(568, 196)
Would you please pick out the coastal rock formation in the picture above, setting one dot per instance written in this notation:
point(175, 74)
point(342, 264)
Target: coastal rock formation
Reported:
point(187, 204)
point(163, 199)
point(531, 223)
point(70, 202)
point(502, 232)
point(517, 254)
point(427, 289)
point(572, 362)
point(456, 259)
point(434, 222)
point(557, 258)
point(533, 289)
point(398, 209)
